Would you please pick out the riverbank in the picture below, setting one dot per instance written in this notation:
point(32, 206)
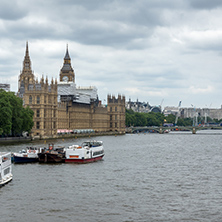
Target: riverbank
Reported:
point(15, 140)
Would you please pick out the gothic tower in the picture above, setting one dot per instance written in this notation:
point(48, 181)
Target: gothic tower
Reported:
point(67, 73)
point(116, 112)
point(41, 97)
point(26, 76)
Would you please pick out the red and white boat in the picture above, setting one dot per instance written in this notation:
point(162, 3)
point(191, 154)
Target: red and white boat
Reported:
point(89, 151)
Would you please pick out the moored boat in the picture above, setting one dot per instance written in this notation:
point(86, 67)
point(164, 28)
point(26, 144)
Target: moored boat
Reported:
point(52, 155)
point(89, 151)
point(29, 155)
point(5, 168)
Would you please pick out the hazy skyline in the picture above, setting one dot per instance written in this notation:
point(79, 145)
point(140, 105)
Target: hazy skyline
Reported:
point(148, 49)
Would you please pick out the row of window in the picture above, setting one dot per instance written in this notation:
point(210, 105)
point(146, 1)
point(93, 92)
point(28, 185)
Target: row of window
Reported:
point(31, 98)
point(111, 109)
point(98, 153)
point(111, 125)
point(45, 113)
point(111, 117)
point(38, 125)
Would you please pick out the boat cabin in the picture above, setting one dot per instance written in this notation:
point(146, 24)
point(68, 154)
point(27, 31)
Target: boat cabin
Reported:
point(5, 168)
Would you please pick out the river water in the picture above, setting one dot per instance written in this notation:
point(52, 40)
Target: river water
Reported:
point(144, 177)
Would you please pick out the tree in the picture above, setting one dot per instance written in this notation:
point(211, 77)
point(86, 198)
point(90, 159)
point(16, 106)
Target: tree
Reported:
point(140, 119)
point(171, 118)
point(5, 113)
point(27, 119)
point(153, 119)
point(17, 113)
point(14, 118)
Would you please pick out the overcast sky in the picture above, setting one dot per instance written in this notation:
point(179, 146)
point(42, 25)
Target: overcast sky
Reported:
point(152, 50)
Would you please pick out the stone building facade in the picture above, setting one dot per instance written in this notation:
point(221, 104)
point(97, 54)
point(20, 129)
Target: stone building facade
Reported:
point(41, 97)
point(64, 106)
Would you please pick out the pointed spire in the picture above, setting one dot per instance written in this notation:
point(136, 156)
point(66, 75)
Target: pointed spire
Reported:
point(27, 61)
point(27, 50)
point(67, 57)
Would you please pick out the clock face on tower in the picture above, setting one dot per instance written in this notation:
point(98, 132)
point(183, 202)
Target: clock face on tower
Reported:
point(65, 79)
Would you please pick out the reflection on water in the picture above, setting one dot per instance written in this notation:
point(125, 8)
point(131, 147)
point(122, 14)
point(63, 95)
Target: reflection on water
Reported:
point(146, 177)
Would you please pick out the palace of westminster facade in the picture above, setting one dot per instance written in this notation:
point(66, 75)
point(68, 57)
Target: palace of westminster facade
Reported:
point(61, 106)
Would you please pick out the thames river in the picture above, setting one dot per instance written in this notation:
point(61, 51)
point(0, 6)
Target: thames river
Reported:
point(144, 177)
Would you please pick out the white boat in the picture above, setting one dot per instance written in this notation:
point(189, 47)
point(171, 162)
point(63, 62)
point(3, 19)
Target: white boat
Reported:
point(167, 131)
point(5, 168)
point(26, 156)
point(89, 151)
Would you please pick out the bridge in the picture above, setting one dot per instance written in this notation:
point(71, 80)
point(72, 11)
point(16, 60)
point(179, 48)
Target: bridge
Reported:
point(162, 129)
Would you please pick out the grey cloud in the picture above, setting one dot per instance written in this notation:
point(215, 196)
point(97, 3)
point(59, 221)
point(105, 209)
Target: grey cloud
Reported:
point(11, 10)
point(95, 4)
point(168, 79)
point(27, 31)
point(105, 35)
point(151, 45)
point(205, 4)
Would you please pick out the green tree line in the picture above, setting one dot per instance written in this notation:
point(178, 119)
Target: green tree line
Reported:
point(14, 118)
point(158, 119)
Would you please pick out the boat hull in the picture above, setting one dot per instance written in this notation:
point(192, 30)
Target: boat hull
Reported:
point(18, 159)
point(2, 183)
point(51, 158)
point(89, 160)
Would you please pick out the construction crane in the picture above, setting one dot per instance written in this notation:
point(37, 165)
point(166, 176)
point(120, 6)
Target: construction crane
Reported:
point(161, 104)
point(178, 113)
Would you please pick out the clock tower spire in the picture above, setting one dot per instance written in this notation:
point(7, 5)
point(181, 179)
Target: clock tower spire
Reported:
point(67, 73)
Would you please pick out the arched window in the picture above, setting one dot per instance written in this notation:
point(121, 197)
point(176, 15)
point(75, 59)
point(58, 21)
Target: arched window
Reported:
point(38, 99)
point(37, 125)
point(37, 113)
point(30, 99)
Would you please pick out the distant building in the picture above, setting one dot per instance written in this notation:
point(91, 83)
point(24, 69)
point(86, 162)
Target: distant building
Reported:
point(201, 112)
point(170, 110)
point(142, 107)
point(192, 112)
point(6, 87)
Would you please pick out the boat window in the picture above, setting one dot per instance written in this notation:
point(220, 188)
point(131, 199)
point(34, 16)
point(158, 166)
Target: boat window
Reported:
point(98, 153)
point(6, 171)
point(5, 158)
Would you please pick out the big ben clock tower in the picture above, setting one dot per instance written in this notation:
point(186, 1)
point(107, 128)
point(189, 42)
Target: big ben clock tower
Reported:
point(67, 73)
